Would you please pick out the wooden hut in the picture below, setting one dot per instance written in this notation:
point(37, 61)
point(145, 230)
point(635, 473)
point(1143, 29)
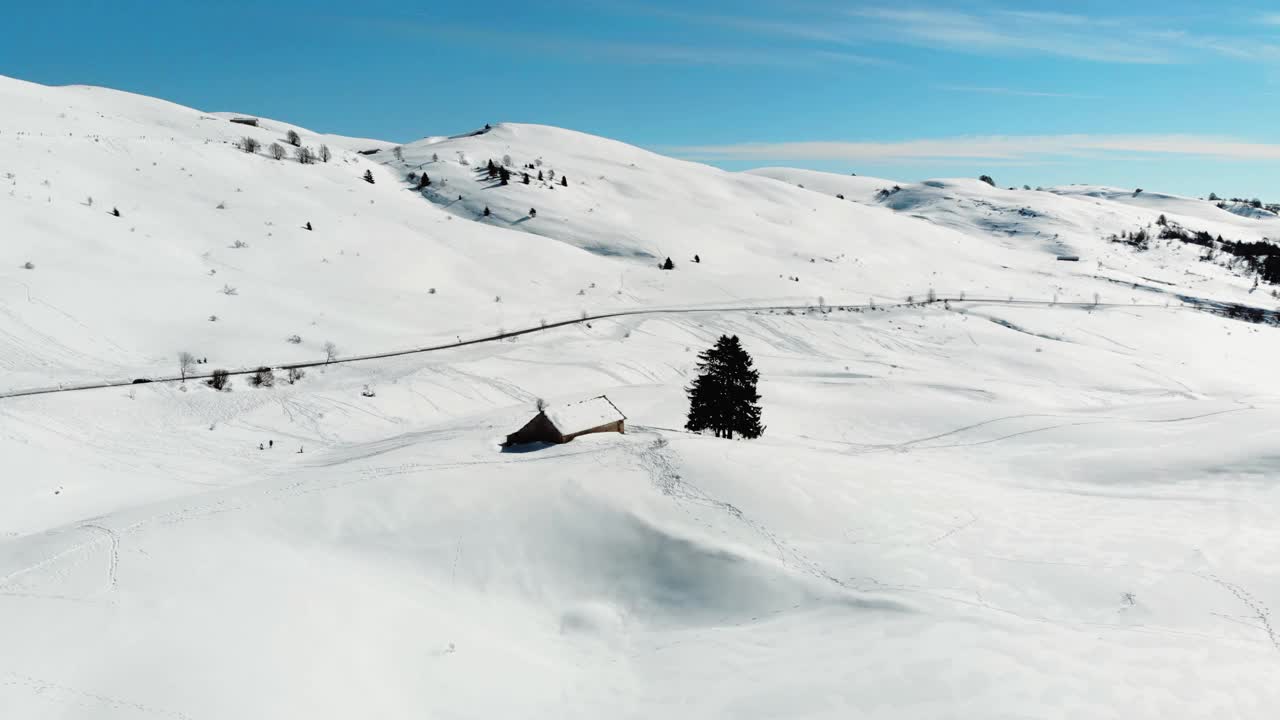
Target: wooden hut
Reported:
point(562, 423)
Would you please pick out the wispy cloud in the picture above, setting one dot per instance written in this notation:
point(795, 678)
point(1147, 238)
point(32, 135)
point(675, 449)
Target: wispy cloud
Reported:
point(1129, 40)
point(735, 53)
point(1014, 92)
point(820, 34)
point(853, 58)
point(800, 26)
point(1073, 36)
point(1000, 148)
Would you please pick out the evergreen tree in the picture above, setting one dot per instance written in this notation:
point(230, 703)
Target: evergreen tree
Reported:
point(723, 397)
point(533, 212)
point(493, 169)
point(539, 174)
point(486, 211)
point(526, 178)
point(504, 175)
point(668, 265)
point(424, 181)
point(564, 181)
point(368, 176)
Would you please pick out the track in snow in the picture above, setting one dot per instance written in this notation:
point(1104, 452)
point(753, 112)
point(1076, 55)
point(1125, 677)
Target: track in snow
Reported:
point(1196, 306)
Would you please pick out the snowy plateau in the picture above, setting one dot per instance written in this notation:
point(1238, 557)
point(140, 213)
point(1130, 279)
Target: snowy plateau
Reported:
point(993, 483)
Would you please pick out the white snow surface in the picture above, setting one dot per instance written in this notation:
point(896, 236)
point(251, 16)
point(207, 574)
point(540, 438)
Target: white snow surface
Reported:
point(860, 188)
point(583, 415)
point(960, 510)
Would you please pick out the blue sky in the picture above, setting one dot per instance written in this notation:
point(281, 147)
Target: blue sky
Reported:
point(1175, 95)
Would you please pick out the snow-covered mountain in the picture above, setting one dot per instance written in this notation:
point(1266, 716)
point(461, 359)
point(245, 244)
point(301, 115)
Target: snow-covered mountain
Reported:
point(969, 508)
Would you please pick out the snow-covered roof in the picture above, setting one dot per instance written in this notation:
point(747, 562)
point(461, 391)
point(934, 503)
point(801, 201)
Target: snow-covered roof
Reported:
point(585, 415)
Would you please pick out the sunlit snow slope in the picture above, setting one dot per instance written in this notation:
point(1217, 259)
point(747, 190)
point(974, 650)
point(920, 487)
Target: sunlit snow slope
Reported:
point(958, 510)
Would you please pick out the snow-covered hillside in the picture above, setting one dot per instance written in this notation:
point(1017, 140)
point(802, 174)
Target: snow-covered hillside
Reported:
point(959, 509)
point(860, 188)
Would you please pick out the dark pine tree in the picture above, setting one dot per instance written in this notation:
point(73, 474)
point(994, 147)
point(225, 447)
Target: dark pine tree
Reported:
point(697, 259)
point(526, 178)
point(564, 181)
point(308, 226)
point(424, 181)
point(533, 212)
point(539, 174)
point(723, 397)
point(667, 265)
point(504, 175)
point(368, 176)
point(486, 211)
point(493, 169)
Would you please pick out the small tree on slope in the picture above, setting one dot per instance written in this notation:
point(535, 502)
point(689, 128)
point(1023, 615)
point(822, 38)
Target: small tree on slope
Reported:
point(185, 362)
point(723, 397)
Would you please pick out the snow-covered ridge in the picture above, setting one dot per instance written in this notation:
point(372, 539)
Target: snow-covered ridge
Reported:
point(211, 249)
point(976, 509)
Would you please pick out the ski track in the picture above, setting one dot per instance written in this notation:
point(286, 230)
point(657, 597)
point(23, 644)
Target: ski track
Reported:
point(1260, 611)
point(87, 699)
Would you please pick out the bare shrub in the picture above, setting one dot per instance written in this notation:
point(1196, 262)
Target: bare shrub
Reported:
point(294, 340)
point(228, 290)
point(263, 377)
point(249, 145)
point(325, 153)
point(292, 138)
point(276, 150)
point(28, 265)
point(296, 374)
point(330, 351)
point(219, 380)
point(304, 155)
point(239, 244)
